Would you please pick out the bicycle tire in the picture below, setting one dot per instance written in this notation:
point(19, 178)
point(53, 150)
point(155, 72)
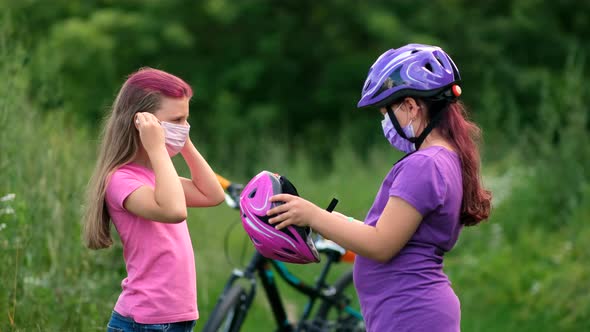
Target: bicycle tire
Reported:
point(227, 312)
point(344, 322)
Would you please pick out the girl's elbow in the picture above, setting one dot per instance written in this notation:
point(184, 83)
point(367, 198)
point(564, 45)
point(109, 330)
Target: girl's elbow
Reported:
point(383, 255)
point(219, 198)
point(177, 215)
point(380, 257)
point(181, 216)
point(216, 197)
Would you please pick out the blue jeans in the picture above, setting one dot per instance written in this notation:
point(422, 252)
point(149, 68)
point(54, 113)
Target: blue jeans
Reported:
point(120, 323)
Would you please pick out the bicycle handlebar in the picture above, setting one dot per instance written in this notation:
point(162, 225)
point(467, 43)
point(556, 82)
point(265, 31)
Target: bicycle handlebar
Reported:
point(232, 191)
point(225, 183)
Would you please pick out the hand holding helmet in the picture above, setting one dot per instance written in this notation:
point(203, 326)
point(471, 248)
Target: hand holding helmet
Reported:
point(294, 211)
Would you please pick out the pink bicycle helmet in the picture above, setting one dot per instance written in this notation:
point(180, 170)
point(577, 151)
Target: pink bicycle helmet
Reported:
point(292, 244)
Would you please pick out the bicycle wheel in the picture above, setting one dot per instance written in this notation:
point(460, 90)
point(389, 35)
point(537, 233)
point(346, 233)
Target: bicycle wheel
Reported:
point(331, 317)
point(227, 314)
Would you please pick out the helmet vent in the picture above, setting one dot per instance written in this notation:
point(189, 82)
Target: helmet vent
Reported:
point(428, 67)
point(252, 193)
point(415, 51)
point(393, 80)
point(281, 256)
point(287, 232)
point(289, 251)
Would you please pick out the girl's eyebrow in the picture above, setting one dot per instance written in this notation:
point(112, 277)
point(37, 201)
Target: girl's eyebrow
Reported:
point(180, 116)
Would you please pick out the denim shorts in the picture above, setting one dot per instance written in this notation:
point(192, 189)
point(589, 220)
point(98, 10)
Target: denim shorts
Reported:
point(119, 323)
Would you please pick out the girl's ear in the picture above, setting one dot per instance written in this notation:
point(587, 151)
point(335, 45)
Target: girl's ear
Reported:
point(413, 107)
point(136, 121)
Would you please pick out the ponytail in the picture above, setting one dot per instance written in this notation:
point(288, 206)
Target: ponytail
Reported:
point(465, 136)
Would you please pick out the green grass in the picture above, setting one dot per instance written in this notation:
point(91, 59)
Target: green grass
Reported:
point(524, 270)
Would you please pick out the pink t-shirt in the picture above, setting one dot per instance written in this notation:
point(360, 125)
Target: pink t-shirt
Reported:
point(161, 280)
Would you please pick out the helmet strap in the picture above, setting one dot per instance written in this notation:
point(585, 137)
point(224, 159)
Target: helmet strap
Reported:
point(436, 108)
point(396, 124)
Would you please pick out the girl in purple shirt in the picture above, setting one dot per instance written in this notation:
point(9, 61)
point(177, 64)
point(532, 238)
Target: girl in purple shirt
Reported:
point(423, 202)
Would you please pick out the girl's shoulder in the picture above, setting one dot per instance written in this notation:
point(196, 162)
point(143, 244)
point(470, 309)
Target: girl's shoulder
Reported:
point(430, 156)
point(436, 161)
point(132, 168)
point(130, 171)
point(436, 151)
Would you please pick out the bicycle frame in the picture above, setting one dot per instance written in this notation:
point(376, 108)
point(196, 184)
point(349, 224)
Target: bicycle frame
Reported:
point(263, 268)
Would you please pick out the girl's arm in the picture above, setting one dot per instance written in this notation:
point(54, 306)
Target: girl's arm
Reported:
point(203, 189)
point(166, 202)
point(393, 230)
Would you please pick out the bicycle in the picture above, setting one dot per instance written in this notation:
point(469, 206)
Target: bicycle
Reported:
point(338, 310)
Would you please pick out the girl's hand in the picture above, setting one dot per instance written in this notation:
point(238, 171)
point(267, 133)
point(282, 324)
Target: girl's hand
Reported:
point(295, 211)
point(151, 132)
point(188, 145)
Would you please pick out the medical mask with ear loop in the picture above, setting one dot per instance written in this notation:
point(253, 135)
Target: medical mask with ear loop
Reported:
point(176, 136)
point(394, 138)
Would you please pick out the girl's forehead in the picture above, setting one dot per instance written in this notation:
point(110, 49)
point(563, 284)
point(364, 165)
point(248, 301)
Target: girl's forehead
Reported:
point(174, 107)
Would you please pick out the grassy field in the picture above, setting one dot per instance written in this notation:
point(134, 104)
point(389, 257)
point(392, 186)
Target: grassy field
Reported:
point(524, 270)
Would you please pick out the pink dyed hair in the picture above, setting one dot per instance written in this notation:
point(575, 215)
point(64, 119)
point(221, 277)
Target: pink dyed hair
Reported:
point(150, 79)
point(465, 135)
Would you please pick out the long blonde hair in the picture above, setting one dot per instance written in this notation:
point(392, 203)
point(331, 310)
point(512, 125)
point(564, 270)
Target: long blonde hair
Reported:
point(120, 142)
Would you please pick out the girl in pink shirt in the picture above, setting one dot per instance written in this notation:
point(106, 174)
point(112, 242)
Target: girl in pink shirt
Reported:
point(136, 186)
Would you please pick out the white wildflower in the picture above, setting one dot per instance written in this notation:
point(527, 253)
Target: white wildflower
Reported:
point(8, 197)
point(35, 281)
point(562, 252)
point(6, 210)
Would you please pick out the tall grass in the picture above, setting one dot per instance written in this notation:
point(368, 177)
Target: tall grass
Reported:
point(49, 281)
point(525, 270)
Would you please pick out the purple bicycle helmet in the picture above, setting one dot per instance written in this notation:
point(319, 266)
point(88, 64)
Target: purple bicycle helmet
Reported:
point(414, 70)
point(292, 244)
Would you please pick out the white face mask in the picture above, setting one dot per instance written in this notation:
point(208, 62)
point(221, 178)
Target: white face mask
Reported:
point(176, 136)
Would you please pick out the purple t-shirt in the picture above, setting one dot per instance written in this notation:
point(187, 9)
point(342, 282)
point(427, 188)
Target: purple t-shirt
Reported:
point(411, 292)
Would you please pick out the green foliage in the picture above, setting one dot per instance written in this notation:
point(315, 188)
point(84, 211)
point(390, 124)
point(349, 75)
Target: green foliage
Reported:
point(534, 252)
point(48, 280)
point(293, 70)
point(276, 84)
